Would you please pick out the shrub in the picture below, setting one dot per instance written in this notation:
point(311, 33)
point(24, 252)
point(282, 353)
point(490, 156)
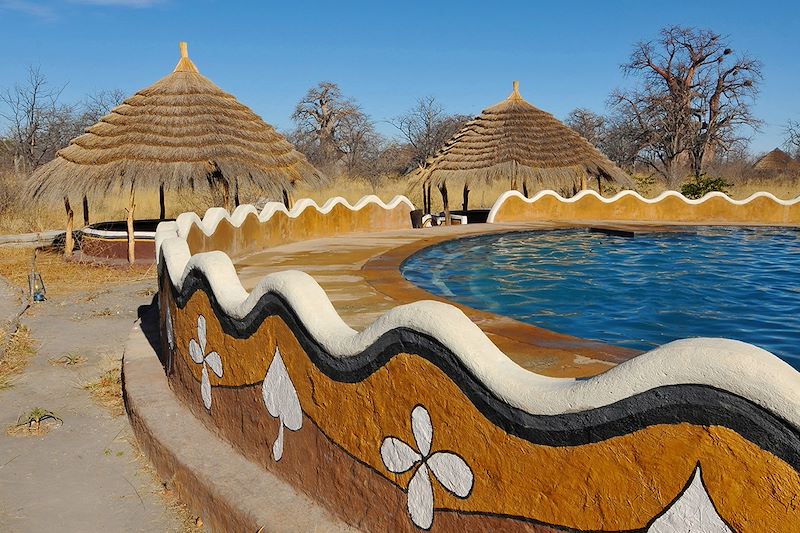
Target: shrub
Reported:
point(701, 185)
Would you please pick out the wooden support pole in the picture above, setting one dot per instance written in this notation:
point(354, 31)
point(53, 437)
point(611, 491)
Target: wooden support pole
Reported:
point(465, 203)
point(525, 189)
point(584, 184)
point(424, 200)
point(236, 193)
point(428, 196)
point(226, 195)
point(286, 199)
point(85, 210)
point(69, 243)
point(599, 186)
point(162, 209)
point(443, 190)
point(131, 238)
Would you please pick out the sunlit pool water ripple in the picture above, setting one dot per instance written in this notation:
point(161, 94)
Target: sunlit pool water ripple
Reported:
point(738, 283)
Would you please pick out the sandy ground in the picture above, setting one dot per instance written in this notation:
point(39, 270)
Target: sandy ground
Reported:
point(84, 475)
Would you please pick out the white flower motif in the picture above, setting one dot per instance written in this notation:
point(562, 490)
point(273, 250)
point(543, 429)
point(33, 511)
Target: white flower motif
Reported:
point(280, 398)
point(692, 511)
point(197, 349)
point(451, 470)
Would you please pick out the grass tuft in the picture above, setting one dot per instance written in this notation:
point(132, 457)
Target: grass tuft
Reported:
point(16, 349)
point(107, 390)
point(36, 422)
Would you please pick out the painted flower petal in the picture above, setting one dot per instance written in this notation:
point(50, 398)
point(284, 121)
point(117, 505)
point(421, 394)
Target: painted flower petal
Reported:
point(398, 456)
point(692, 511)
point(423, 429)
point(452, 472)
point(420, 498)
point(205, 389)
point(215, 362)
point(196, 352)
point(201, 332)
point(280, 396)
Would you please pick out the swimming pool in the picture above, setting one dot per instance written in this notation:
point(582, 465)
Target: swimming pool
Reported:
point(738, 283)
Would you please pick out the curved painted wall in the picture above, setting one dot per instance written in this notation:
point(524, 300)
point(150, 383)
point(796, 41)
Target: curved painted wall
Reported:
point(630, 206)
point(419, 422)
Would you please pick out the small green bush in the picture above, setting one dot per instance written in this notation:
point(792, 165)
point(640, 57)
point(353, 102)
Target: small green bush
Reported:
point(701, 185)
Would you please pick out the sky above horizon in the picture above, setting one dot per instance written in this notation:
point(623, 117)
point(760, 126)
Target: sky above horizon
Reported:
point(386, 56)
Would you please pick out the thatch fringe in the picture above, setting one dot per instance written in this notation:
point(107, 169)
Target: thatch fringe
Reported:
point(183, 132)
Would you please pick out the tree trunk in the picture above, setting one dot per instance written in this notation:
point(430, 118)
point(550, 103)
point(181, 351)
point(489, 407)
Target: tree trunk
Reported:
point(443, 190)
point(162, 210)
point(69, 243)
point(131, 237)
point(85, 210)
point(286, 199)
point(465, 203)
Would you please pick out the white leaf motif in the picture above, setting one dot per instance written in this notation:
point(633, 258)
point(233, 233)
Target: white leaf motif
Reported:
point(398, 456)
point(420, 498)
point(201, 332)
point(452, 472)
point(693, 511)
point(280, 399)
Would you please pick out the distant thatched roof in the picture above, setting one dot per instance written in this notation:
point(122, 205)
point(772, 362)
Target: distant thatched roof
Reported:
point(776, 161)
point(514, 140)
point(181, 132)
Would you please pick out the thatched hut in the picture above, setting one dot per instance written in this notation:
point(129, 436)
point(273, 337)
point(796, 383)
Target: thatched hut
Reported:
point(776, 162)
point(520, 143)
point(183, 132)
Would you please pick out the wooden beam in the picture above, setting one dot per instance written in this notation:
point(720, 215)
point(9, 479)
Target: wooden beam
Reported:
point(69, 243)
point(85, 210)
point(443, 190)
point(465, 202)
point(162, 210)
point(131, 238)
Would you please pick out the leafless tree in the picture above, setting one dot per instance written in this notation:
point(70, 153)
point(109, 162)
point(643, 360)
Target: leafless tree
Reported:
point(97, 105)
point(587, 124)
point(38, 125)
point(693, 98)
point(792, 131)
point(426, 127)
point(321, 117)
point(361, 146)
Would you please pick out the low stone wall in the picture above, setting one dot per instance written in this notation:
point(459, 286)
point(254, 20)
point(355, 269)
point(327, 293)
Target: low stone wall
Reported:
point(419, 422)
point(629, 206)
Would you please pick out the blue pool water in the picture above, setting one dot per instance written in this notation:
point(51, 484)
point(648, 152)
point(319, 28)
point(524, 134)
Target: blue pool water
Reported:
point(738, 283)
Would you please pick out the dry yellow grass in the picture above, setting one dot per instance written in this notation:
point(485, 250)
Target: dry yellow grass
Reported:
point(16, 349)
point(106, 391)
point(63, 277)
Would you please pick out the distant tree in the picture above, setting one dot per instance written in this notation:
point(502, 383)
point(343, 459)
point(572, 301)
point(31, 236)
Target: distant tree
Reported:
point(96, 106)
point(426, 127)
point(792, 142)
point(588, 125)
point(323, 117)
point(693, 97)
point(38, 124)
point(360, 145)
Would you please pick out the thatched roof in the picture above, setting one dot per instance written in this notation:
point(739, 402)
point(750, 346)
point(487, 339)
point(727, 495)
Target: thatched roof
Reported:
point(776, 161)
point(181, 132)
point(514, 139)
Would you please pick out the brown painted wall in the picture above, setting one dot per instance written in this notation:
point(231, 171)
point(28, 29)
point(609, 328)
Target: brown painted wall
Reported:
point(254, 235)
point(99, 248)
point(618, 484)
point(671, 209)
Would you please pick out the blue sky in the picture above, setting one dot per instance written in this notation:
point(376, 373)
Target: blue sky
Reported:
point(386, 55)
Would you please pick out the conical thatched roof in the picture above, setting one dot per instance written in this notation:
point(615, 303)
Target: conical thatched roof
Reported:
point(516, 141)
point(181, 132)
point(776, 161)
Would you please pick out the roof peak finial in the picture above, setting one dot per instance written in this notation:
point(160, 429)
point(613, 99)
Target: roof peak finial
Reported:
point(515, 93)
point(185, 64)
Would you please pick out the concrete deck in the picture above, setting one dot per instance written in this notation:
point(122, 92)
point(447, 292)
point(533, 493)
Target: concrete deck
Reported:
point(360, 273)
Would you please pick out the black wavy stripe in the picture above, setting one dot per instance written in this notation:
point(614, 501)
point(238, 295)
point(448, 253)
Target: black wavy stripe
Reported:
point(672, 404)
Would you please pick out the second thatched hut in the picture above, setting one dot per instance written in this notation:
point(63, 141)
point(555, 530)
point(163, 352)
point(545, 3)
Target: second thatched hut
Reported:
point(182, 133)
point(514, 141)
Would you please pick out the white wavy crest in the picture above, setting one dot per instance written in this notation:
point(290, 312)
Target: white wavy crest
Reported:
point(666, 194)
point(737, 367)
